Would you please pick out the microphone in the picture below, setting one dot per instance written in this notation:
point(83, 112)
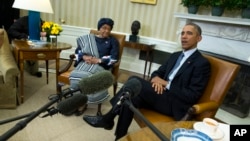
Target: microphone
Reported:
point(130, 89)
point(68, 106)
point(71, 104)
point(96, 82)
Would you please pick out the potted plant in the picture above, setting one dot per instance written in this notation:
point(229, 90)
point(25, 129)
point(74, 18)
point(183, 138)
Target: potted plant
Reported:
point(192, 5)
point(243, 5)
point(245, 9)
point(218, 7)
point(234, 5)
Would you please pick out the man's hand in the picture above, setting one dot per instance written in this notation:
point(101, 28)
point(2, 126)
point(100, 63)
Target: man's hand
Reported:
point(159, 84)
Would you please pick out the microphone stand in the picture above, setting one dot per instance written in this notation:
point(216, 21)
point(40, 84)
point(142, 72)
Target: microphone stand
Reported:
point(15, 118)
point(147, 122)
point(30, 116)
point(20, 125)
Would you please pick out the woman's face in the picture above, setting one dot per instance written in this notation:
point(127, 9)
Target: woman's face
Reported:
point(104, 31)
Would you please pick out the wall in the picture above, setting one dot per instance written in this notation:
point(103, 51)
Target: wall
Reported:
point(157, 20)
point(159, 26)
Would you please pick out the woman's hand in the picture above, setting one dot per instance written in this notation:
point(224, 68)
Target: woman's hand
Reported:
point(159, 84)
point(90, 59)
point(87, 59)
point(95, 60)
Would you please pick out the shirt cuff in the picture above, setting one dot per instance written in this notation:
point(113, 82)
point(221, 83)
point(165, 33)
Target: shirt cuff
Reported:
point(168, 85)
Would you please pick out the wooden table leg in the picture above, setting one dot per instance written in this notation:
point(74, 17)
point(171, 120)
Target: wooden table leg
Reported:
point(57, 67)
point(146, 64)
point(47, 71)
point(150, 63)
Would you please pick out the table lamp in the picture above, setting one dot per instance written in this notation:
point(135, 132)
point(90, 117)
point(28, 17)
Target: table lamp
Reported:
point(34, 7)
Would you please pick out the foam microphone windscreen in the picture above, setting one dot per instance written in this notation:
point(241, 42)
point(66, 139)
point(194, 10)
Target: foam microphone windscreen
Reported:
point(96, 82)
point(132, 86)
point(71, 104)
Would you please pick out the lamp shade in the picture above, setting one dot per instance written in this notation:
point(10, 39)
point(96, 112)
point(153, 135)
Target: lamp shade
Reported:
point(34, 5)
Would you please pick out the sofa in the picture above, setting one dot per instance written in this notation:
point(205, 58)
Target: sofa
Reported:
point(8, 73)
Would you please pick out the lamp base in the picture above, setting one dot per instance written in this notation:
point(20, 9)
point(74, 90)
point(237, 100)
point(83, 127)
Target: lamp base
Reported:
point(34, 25)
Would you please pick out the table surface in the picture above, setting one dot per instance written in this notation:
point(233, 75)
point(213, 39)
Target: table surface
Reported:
point(145, 134)
point(39, 46)
point(139, 45)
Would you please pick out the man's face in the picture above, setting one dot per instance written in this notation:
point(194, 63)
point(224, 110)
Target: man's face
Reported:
point(104, 31)
point(189, 37)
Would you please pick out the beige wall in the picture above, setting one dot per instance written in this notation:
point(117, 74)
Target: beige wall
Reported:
point(157, 21)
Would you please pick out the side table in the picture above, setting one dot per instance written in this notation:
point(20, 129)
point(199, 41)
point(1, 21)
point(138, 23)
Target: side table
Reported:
point(24, 51)
point(145, 134)
point(143, 47)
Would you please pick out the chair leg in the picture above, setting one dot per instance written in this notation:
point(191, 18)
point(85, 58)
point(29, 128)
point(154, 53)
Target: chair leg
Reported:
point(17, 93)
point(99, 112)
point(115, 88)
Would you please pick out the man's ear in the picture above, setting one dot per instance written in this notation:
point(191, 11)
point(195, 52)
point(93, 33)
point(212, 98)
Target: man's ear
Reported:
point(199, 38)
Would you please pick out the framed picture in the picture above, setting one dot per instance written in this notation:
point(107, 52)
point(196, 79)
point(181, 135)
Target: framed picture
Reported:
point(145, 1)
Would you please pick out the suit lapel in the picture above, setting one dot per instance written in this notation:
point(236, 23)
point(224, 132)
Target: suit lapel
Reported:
point(187, 63)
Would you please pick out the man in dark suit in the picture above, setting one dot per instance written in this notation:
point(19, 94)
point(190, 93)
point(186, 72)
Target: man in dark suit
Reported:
point(20, 30)
point(170, 91)
point(8, 14)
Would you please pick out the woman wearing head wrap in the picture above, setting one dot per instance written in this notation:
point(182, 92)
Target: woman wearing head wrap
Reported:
point(95, 53)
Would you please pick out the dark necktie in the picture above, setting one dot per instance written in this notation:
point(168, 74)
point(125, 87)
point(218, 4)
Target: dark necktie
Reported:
point(176, 64)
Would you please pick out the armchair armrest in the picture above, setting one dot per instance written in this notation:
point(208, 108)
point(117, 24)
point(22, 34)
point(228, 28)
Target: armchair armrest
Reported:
point(116, 64)
point(116, 69)
point(203, 107)
point(8, 67)
point(200, 108)
point(66, 68)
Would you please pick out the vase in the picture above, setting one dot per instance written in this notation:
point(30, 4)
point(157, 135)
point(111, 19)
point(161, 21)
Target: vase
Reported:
point(217, 11)
point(48, 38)
point(246, 13)
point(53, 40)
point(193, 9)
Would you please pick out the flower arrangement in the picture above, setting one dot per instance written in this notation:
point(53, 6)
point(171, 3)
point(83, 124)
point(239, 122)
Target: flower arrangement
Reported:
point(51, 28)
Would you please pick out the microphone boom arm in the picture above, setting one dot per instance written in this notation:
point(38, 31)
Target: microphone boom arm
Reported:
point(147, 122)
point(20, 125)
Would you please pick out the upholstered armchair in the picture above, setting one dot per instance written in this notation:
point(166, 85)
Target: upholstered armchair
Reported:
point(8, 73)
point(222, 76)
point(63, 77)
